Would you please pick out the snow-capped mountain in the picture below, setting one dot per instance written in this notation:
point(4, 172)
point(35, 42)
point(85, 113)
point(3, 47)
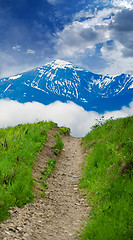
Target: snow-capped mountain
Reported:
point(60, 80)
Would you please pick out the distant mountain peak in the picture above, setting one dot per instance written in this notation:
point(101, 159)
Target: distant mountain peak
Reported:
point(60, 80)
point(59, 64)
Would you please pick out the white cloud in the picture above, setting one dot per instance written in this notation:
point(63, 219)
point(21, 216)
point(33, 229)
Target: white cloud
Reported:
point(117, 64)
point(123, 3)
point(83, 14)
point(78, 37)
point(17, 48)
point(30, 51)
point(78, 40)
point(65, 114)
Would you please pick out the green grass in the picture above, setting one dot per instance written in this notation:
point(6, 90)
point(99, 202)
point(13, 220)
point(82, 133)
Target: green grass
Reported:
point(57, 148)
point(50, 166)
point(19, 147)
point(108, 180)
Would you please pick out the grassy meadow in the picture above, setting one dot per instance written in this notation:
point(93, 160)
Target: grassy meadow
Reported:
point(108, 180)
point(19, 147)
point(107, 177)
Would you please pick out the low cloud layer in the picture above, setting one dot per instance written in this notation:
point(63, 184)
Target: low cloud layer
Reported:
point(65, 114)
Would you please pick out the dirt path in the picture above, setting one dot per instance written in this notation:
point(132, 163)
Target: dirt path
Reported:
point(59, 216)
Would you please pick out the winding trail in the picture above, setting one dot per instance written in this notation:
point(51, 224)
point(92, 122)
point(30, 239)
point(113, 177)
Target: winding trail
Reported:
point(61, 214)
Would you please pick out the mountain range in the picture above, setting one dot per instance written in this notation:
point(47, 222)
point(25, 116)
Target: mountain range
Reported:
point(60, 80)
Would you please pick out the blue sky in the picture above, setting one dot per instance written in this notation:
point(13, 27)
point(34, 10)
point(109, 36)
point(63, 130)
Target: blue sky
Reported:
point(96, 35)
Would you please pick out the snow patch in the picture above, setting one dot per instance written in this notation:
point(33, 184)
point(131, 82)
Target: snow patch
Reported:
point(131, 86)
point(107, 81)
point(41, 71)
point(15, 77)
point(59, 64)
point(7, 87)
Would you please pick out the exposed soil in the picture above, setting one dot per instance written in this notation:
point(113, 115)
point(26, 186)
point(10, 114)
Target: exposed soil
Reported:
point(61, 214)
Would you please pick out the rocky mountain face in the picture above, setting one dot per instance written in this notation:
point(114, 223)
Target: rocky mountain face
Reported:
point(60, 80)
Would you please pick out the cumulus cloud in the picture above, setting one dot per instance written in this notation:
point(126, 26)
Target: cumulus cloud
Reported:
point(86, 13)
point(123, 3)
point(79, 37)
point(65, 114)
point(48, 31)
point(88, 34)
point(119, 56)
point(122, 30)
point(117, 64)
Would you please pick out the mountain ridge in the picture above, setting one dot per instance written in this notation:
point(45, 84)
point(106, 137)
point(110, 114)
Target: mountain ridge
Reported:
point(60, 80)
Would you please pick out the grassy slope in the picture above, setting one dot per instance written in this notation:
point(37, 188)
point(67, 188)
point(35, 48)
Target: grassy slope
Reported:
point(18, 148)
point(108, 180)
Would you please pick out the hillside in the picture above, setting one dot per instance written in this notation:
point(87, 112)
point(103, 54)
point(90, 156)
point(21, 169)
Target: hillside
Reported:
point(108, 180)
point(60, 80)
point(59, 207)
point(60, 214)
point(19, 146)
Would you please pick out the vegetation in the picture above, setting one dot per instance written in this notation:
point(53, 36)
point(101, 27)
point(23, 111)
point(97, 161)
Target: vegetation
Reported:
point(58, 136)
point(64, 131)
point(18, 148)
point(50, 166)
point(108, 180)
point(51, 163)
point(107, 175)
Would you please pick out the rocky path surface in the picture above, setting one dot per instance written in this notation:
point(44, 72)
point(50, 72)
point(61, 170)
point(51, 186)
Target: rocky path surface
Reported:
point(59, 216)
